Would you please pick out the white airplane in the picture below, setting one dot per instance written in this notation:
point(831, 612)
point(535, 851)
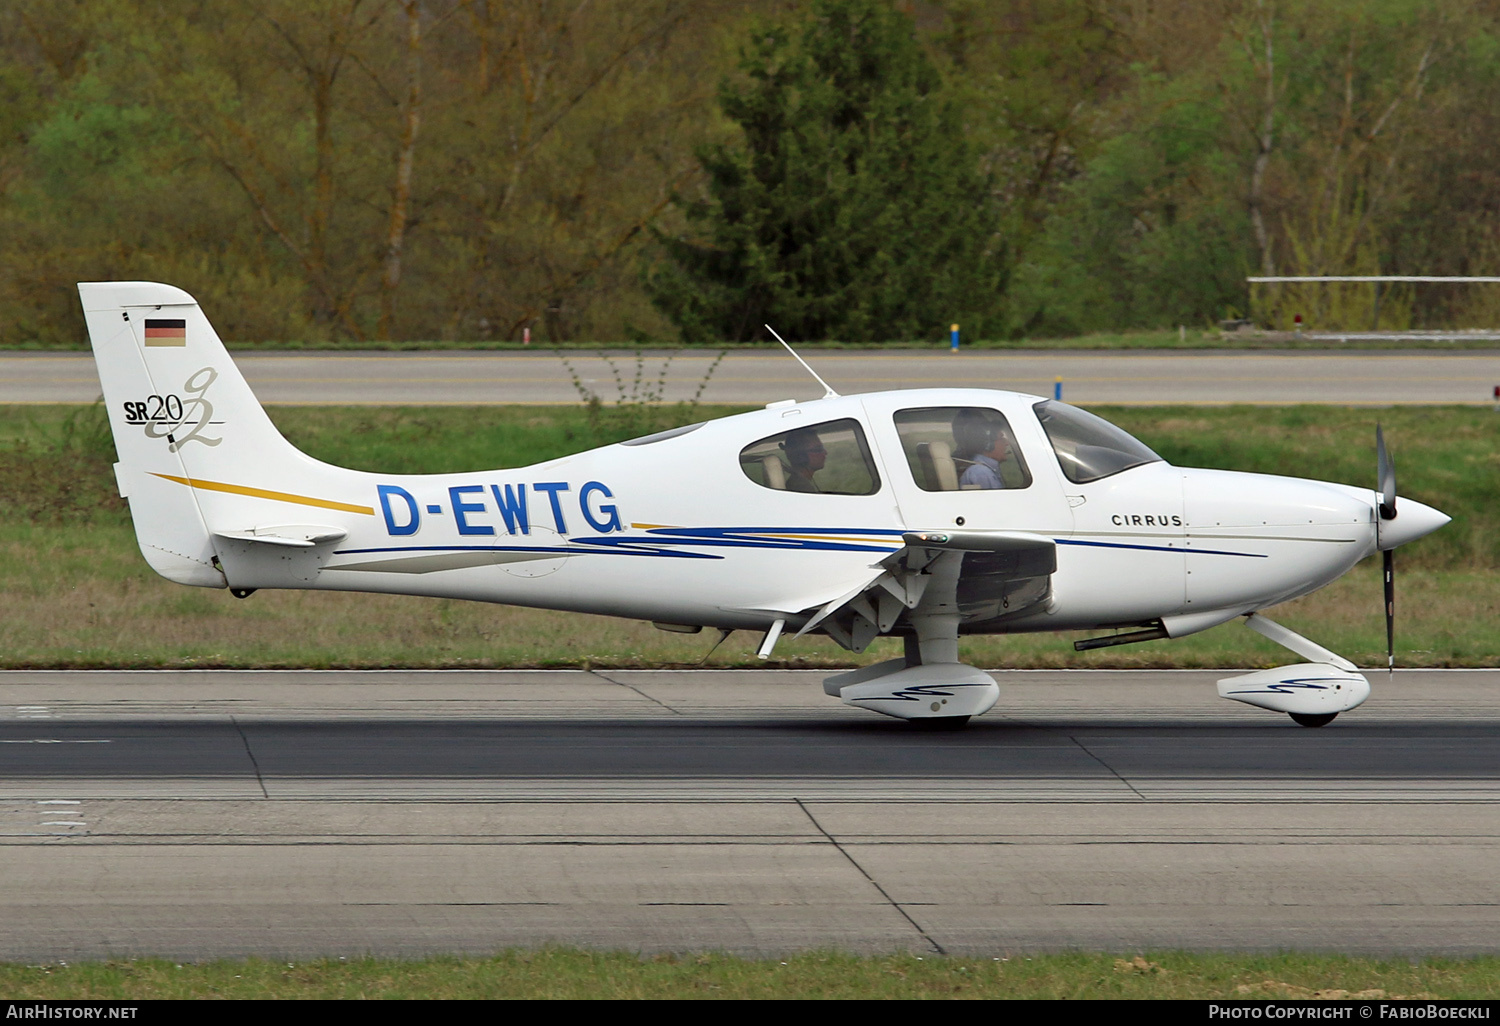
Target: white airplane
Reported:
point(920, 513)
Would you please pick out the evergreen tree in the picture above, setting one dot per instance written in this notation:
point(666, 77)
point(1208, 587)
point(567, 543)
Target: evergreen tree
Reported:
point(853, 210)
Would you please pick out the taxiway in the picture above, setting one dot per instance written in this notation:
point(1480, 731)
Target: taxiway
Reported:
point(1130, 377)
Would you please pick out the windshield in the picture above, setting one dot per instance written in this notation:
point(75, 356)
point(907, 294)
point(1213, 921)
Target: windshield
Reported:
point(1088, 447)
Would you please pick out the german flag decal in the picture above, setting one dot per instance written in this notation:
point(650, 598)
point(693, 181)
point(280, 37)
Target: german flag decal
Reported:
point(170, 331)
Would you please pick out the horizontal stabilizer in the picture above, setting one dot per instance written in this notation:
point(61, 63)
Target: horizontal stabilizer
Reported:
point(299, 536)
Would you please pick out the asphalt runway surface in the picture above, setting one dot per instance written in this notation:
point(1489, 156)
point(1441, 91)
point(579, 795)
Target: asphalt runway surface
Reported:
point(1139, 377)
point(300, 814)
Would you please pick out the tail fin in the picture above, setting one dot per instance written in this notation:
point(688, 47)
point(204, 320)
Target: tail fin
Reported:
point(199, 458)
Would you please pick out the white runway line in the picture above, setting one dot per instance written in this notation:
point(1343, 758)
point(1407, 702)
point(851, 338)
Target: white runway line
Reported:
point(74, 809)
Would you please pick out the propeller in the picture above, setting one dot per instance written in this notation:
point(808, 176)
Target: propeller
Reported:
point(1386, 485)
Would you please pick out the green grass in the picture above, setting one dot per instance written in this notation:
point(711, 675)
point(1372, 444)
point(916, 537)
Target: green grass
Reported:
point(563, 973)
point(74, 591)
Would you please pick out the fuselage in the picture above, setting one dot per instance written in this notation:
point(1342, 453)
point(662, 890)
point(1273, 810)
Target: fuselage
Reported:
point(728, 523)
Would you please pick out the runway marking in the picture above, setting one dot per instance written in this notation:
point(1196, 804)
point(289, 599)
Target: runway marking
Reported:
point(57, 741)
point(76, 812)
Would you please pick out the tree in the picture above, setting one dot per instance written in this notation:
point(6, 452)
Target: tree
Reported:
point(852, 210)
point(349, 169)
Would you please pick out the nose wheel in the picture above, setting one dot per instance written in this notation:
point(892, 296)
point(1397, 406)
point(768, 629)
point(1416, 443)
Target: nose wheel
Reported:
point(1313, 719)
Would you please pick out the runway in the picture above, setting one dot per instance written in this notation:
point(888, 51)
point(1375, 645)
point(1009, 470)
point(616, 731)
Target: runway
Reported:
point(1133, 377)
point(299, 814)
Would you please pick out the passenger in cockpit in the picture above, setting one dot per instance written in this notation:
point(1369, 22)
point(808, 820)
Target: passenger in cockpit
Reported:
point(805, 455)
point(982, 443)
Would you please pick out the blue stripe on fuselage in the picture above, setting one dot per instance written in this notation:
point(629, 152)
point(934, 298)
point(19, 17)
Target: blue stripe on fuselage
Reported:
point(1160, 548)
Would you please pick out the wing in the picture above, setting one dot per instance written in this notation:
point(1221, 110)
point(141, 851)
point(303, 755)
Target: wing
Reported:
point(987, 577)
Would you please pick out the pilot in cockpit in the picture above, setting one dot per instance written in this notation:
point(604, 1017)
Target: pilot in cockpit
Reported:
point(981, 444)
point(805, 456)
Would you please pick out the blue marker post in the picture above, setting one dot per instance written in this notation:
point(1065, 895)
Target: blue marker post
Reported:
point(953, 337)
point(1057, 389)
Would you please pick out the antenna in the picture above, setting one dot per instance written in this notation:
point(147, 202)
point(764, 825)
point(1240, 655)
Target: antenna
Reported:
point(828, 392)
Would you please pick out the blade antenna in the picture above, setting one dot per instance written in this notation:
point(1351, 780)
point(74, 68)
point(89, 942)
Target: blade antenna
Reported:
point(828, 392)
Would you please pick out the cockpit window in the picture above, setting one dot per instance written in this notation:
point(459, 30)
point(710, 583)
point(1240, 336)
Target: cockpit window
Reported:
point(1088, 447)
point(826, 459)
point(957, 448)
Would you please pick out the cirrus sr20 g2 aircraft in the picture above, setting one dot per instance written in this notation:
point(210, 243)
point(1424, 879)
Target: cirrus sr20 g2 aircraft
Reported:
point(921, 513)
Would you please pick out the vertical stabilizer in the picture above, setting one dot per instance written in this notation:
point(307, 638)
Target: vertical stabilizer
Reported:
point(198, 456)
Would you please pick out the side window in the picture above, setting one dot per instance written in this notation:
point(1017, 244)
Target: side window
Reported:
point(827, 459)
point(961, 448)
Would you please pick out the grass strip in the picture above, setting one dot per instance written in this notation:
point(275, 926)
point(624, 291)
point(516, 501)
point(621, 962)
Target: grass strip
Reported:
point(571, 974)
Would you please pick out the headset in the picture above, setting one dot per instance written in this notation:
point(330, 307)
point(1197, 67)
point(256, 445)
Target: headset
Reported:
point(799, 445)
point(975, 431)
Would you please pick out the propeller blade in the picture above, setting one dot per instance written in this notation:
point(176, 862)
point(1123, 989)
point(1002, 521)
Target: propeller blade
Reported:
point(1390, 611)
point(1386, 477)
point(1385, 472)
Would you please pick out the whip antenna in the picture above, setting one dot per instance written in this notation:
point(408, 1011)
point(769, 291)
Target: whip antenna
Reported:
point(828, 392)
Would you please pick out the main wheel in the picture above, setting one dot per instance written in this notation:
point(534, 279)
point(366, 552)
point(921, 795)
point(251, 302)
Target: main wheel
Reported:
point(1313, 719)
point(940, 723)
